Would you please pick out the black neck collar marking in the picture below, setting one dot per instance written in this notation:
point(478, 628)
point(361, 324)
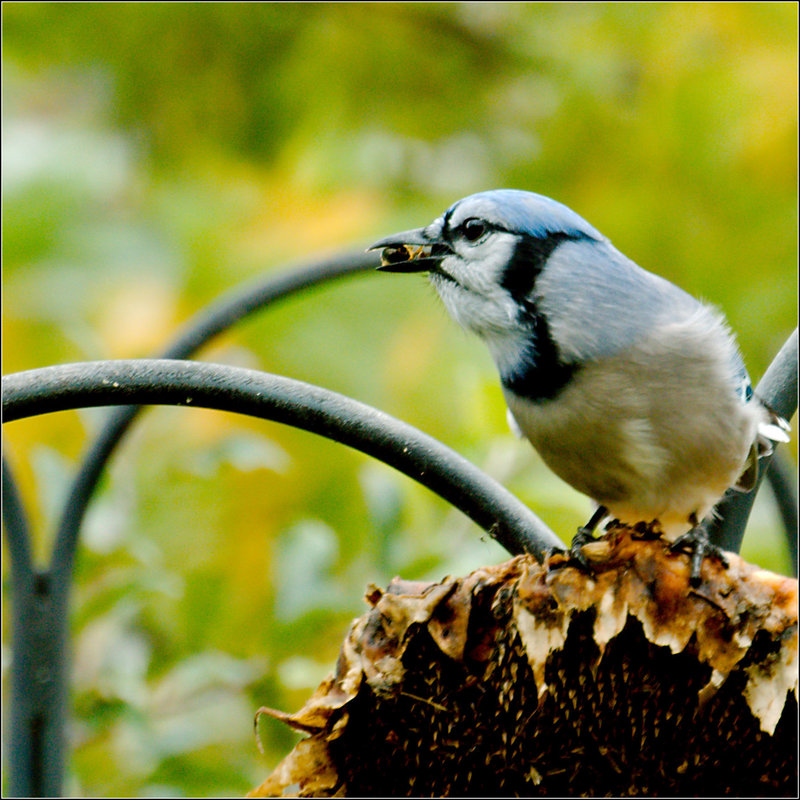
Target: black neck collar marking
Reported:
point(528, 260)
point(540, 373)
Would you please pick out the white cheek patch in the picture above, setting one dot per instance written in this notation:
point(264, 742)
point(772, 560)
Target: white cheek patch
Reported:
point(465, 307)
point(480, 268)
point(473, 294)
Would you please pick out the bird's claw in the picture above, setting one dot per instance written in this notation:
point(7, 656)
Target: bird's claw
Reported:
point(576, 556)
point(555, 551)
point(696, 542)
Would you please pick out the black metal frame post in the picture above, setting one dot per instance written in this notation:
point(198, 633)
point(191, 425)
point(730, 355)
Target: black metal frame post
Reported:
point(35, 740)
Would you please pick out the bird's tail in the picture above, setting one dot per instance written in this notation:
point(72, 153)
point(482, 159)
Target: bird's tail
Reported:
point(771, 429)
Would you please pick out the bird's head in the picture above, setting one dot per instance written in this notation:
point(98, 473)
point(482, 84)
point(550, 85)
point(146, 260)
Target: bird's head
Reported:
point(485, 253)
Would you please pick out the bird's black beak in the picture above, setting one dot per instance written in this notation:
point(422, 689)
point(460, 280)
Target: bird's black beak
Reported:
point(411, 251)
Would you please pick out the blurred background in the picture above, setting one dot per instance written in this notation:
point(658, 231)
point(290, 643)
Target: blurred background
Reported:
point(157, 155)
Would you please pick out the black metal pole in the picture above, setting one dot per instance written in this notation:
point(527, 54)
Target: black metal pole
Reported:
point(35, 724)
point(783, 483)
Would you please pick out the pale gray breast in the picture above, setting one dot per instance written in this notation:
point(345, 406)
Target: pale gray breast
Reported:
point(642, 424)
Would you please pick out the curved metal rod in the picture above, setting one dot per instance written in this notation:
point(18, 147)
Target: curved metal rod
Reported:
point(778, 389)
point(197, 332)
point(272, 397)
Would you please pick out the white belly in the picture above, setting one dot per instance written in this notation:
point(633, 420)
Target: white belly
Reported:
point(663, 450)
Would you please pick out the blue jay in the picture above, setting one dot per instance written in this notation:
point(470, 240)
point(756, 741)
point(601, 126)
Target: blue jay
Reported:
point(630, 389)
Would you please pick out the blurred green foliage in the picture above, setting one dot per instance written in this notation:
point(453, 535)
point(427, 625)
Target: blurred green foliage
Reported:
point(157, 154)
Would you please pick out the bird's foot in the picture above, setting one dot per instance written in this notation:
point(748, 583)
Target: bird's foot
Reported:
point(584, 536)
point(696, 542)
point(576, 556)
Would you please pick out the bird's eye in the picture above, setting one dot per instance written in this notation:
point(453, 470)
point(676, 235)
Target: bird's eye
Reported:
point(473, 229)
